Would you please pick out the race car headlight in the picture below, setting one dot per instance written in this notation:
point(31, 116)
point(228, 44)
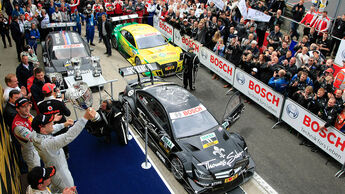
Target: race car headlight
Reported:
point(202, 175)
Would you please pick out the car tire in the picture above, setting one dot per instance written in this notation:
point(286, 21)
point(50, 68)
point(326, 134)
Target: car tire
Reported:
point(137, 61)
point(177, 169)
point(114, 42)
point(122, 132)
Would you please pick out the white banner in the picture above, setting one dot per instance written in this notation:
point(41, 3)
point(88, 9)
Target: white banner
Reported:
point(217, 64)
point(259, 92)
point(340, 54)
point(243, 8)
point(219, 3)
point(166, 29)
point(185, 42)
point(330, 140)
point(256, 15)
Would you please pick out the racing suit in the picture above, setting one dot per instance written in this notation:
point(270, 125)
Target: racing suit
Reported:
point(90, 28)
point(51, 152)
point(21, 128)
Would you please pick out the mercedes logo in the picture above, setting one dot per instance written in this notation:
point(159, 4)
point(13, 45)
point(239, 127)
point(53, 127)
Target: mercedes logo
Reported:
point(204, 53)
point(240, 78)
point(292, 111)
point(177, 36)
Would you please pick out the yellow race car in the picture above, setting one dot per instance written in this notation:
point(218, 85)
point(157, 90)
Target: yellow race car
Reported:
point(143, 44)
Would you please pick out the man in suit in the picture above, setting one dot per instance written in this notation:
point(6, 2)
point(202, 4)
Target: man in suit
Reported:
point(105, 31)
point(24, 71)
point(17, 35)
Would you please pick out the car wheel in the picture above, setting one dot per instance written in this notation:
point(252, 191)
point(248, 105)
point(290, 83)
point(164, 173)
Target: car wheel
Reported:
point(137, 61)
point(177, 169)
point(114, 42)
point(122, 132)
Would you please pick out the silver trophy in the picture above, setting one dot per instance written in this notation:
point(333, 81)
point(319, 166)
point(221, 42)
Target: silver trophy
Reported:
point(80, 96)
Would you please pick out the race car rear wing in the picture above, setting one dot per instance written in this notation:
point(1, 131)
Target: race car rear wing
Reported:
point(60, 25)
point(131, 70)
point(124, 17)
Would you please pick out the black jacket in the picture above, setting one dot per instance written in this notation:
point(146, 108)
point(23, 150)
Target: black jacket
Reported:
point(9, 113)
point(23, 74)
point(329, 114)
point(15, 31)
point(54, 106)
point(339, 28)
point(107, 28)
point(36, 89)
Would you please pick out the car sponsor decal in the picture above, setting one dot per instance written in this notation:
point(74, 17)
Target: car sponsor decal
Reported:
point(160, 156)
point(209, 140)
point(168, 144)
point(228, 180)
point(228, 161)
point(68, 46)
point(187, 113)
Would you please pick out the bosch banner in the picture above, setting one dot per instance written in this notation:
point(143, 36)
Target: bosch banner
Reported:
point(166, 29)
point(329, 140)
point(185, 42)
point(340, 53)
point(217, 64)
point(259, 92)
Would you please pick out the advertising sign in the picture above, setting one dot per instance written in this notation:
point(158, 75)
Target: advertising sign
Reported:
point(340, 54)
point(259, 92)
point(217, 64)
point(329, 140)
point(185, 42)
point(166, 29)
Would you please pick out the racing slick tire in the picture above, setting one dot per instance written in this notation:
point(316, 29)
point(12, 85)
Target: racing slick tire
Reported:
point(137, 61)
point(122, 132)
point(114, 42)
point(177, 169)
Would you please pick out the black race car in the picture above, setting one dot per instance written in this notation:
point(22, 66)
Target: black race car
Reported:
point(67, 57)
point(202, 154)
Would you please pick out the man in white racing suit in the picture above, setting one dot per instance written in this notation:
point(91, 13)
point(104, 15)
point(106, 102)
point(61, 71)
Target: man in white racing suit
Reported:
point(22, 130)
point(50, 147)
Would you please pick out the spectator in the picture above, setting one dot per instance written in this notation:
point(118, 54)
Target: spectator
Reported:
point(17, 11)
point(283, 49)
point(325, 44)
point(321, 23)
point(276, 20)
point(39, 179)
point(298, 85)
point(32, 57)
point(185, 28)
point(338, 32)
point(339, 100)
point(12, 84)
point(201, 33)
point(10, 108)
point(39, 81)
point(252, 49)
point(297, 14)
point(306, 97)
point(328, 114)
point(5, 30)
point(302, 57)
point(241, 30)
point(17, 32)
point(318, 102)
point(261, 32)
point(105, 30)
point(290, 66)
point(34, 36)
point(312, 36)
point(279, 82)
point(50, 148)
point(24, 71)
point(308, 19)
point(233, 51)
point(219, 49)
point(56, 16)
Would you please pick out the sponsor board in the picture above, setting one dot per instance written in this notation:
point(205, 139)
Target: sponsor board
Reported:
point(187, 113)
point(166, 29)
point(217, 64)
point(185, 42)
point(259, 92)
point(340, 54)
point(329, 140)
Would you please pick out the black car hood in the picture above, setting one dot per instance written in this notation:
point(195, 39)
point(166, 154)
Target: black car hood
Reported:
point(219, 154)
point(59, 65)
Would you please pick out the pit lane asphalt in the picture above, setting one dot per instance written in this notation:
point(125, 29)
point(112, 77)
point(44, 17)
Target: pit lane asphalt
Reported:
point(281, 161)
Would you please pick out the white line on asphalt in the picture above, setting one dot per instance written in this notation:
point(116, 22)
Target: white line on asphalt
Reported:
point(154, 166)
point(263, 185)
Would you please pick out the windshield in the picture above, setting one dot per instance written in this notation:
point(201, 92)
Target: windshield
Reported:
point(67, 53)
point(151, 41)
point(193, 124)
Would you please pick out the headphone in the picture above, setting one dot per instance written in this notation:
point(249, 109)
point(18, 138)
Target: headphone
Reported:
point(108, 102)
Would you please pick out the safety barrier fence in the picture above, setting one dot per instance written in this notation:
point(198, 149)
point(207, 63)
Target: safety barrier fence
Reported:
point(284, 109)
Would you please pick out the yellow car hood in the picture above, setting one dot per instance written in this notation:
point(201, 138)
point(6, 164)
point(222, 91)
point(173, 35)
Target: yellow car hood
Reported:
point(162, 54)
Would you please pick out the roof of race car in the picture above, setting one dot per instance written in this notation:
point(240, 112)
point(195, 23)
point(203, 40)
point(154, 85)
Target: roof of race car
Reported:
point(65, 38)
point(140, 29)
point(173, 97)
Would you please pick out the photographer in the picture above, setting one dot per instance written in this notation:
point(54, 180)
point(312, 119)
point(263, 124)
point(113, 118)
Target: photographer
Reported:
point(50, 147)
point(318, 102)
point(298, 84)
point(306, 97)
point(279, 82)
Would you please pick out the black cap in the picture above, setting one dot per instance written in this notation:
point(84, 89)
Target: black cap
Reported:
point(21, 102)
point(41, 120)
point(39, 174)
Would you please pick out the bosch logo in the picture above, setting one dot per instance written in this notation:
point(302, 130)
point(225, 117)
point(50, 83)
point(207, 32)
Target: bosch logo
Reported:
point(240, 78)
point(292, 111)
point(165, 28)
point(203, 53)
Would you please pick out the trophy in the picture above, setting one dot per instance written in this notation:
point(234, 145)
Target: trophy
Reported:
point(80, 96)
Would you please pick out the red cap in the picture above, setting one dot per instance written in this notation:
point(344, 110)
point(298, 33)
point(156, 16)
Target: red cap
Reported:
point(48, 88)
point(329, 70)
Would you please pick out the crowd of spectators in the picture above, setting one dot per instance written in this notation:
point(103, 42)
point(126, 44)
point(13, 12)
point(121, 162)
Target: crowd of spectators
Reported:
point(304, 72)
